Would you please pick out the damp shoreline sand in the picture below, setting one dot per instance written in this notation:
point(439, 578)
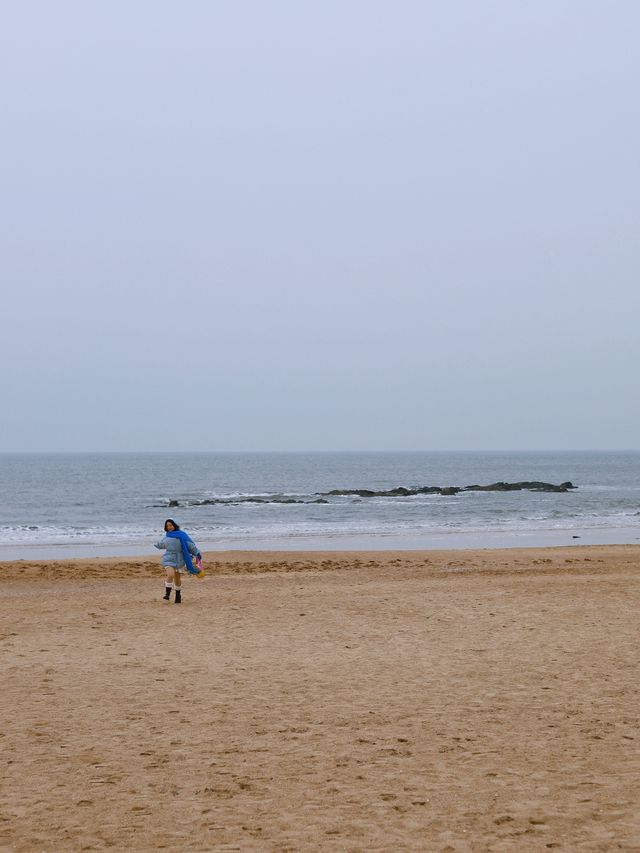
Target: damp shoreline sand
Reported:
point(361, 701)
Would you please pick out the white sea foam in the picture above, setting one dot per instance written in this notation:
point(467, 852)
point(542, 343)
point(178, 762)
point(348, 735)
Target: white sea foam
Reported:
point(51, 534)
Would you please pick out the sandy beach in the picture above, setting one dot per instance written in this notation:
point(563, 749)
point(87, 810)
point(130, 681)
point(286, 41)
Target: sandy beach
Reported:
point(353, 701)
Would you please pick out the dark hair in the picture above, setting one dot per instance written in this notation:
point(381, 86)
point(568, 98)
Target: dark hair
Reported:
point(171, 521)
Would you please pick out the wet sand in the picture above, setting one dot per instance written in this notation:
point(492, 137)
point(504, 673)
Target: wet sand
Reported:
point(354, 701)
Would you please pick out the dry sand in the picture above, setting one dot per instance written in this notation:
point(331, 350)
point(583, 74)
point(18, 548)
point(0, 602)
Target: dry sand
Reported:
point(436, 701)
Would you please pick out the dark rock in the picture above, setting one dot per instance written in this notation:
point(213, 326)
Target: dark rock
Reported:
point(401, 491)
point(361, 493)
point(528, 485)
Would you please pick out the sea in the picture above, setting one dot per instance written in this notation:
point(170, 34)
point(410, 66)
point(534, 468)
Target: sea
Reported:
point(91, 504)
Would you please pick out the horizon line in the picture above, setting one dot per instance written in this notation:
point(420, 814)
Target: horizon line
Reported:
point(336, 450)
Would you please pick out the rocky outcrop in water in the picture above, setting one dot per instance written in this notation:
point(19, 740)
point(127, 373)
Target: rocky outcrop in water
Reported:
point(401, 491)
point(528, 485)
point(271, 499)
point(397, 492)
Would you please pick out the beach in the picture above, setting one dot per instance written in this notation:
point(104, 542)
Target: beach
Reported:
point(474, 700)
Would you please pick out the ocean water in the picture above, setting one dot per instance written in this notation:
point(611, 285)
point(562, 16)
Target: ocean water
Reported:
point(85, 504)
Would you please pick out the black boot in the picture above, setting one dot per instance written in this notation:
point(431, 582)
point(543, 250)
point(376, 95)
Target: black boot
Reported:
point(178, 596)
point(167, 593)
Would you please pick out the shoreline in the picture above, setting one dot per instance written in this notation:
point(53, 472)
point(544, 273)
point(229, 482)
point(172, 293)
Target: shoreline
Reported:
point(464, 540)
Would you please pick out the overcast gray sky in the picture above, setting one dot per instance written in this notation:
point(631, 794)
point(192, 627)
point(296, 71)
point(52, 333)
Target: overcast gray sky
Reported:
point(347, 224)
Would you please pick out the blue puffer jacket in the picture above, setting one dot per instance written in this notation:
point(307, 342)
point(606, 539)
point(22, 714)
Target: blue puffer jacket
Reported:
point(173, 558)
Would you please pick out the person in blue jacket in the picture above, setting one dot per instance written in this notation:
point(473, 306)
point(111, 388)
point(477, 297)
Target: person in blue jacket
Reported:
point(179, 548)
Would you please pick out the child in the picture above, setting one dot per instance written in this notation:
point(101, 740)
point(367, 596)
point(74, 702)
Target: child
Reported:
point(179, 549)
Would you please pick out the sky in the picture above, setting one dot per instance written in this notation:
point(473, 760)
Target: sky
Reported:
point(336, 225)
